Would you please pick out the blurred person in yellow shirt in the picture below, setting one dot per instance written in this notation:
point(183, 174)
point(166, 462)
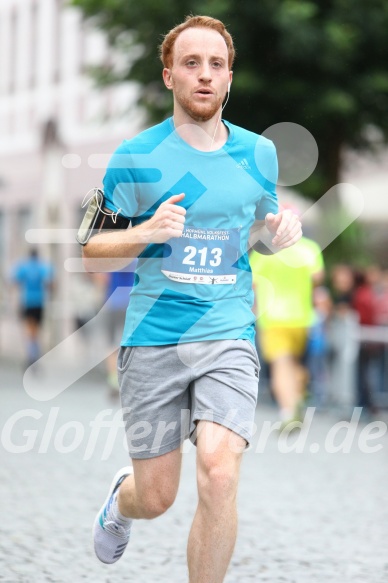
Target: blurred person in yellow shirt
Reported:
point(283, 285)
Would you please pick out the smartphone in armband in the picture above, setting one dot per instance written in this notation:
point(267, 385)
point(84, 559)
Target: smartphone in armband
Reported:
point(97, 219)
point(90, 217)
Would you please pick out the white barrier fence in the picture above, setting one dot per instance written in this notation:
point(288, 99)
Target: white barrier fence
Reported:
point(346, 337)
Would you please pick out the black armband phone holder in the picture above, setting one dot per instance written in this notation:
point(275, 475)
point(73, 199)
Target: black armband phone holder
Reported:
point(98, 219)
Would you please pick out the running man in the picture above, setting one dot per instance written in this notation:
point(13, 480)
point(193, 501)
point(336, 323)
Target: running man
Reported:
point(284, 287)
point(34, 278)
point(188, 344)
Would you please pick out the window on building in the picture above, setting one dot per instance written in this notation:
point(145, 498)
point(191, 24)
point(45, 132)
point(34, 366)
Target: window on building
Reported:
point(34, 43)
point(2, 242)
point(13, 49)
point(24, 220)
point(3, 274)
point(56, 31)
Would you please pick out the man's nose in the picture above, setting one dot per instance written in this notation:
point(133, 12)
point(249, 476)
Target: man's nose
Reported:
point(205, 73)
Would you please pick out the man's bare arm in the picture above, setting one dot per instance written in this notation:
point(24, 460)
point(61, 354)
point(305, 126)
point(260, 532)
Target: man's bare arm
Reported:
point(114, 250)
point(275, 233)
point(260, 239)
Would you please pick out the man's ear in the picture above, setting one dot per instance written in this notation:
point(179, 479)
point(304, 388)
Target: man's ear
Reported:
point(167, 78)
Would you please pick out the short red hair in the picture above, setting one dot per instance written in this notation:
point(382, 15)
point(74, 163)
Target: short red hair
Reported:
point(167, 46)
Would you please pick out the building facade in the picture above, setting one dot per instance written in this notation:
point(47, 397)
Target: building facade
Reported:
point(53, 119)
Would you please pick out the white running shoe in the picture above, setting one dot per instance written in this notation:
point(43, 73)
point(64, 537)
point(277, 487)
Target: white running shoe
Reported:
point(110, 537)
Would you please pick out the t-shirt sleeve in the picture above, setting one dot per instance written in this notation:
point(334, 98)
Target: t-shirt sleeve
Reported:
point(120, 194)
point(267, 164)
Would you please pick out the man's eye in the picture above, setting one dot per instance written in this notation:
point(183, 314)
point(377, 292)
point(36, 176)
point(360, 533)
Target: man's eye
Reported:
point(191, 63)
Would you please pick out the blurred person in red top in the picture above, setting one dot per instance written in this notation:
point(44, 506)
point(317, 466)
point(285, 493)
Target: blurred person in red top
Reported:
point(381, 315)
point(381, 300)
point(363, 299)
point(364, 303)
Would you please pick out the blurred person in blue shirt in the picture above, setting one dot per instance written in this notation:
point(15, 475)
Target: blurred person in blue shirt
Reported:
point(118, 287)
point(34, 278)
point(318, 347)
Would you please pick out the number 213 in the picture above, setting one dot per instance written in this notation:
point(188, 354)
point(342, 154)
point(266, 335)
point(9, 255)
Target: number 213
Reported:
point(192, 251)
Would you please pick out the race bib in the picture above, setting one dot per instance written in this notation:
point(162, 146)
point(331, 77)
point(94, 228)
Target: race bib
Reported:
point(203, 256)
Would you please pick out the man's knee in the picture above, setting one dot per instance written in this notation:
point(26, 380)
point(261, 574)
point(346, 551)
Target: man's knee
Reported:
point(155, 503)
point(156, 483)
point(217, 480)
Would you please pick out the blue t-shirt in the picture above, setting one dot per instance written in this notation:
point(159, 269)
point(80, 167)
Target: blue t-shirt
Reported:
point(33, 276)
point(197, 287)
point(119, 285)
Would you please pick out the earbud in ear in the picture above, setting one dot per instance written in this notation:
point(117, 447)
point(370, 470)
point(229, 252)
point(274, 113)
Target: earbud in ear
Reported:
point(229, 86)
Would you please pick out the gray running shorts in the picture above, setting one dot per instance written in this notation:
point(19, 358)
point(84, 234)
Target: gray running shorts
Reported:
point(165, 390)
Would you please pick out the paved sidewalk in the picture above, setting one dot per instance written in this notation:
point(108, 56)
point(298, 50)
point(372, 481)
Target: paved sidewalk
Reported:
point(309, 517)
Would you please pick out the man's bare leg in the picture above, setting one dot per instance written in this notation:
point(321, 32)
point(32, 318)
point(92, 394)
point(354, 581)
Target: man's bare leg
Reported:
point(152, 489)
point(32, 329)
point(286, 383)
point(146, 493)
point(213, 533)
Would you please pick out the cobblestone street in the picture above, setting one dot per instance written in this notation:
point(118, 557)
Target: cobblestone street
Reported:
point(313, 516)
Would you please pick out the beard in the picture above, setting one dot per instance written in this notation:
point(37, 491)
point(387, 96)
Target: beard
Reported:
point(199, 111)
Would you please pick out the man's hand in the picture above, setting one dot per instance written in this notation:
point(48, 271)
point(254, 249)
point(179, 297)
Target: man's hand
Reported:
point(167, 222)
point(286, 228)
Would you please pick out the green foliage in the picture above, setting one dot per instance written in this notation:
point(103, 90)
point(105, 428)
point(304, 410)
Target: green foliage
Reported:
point(351, 247)
point(318, 63)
